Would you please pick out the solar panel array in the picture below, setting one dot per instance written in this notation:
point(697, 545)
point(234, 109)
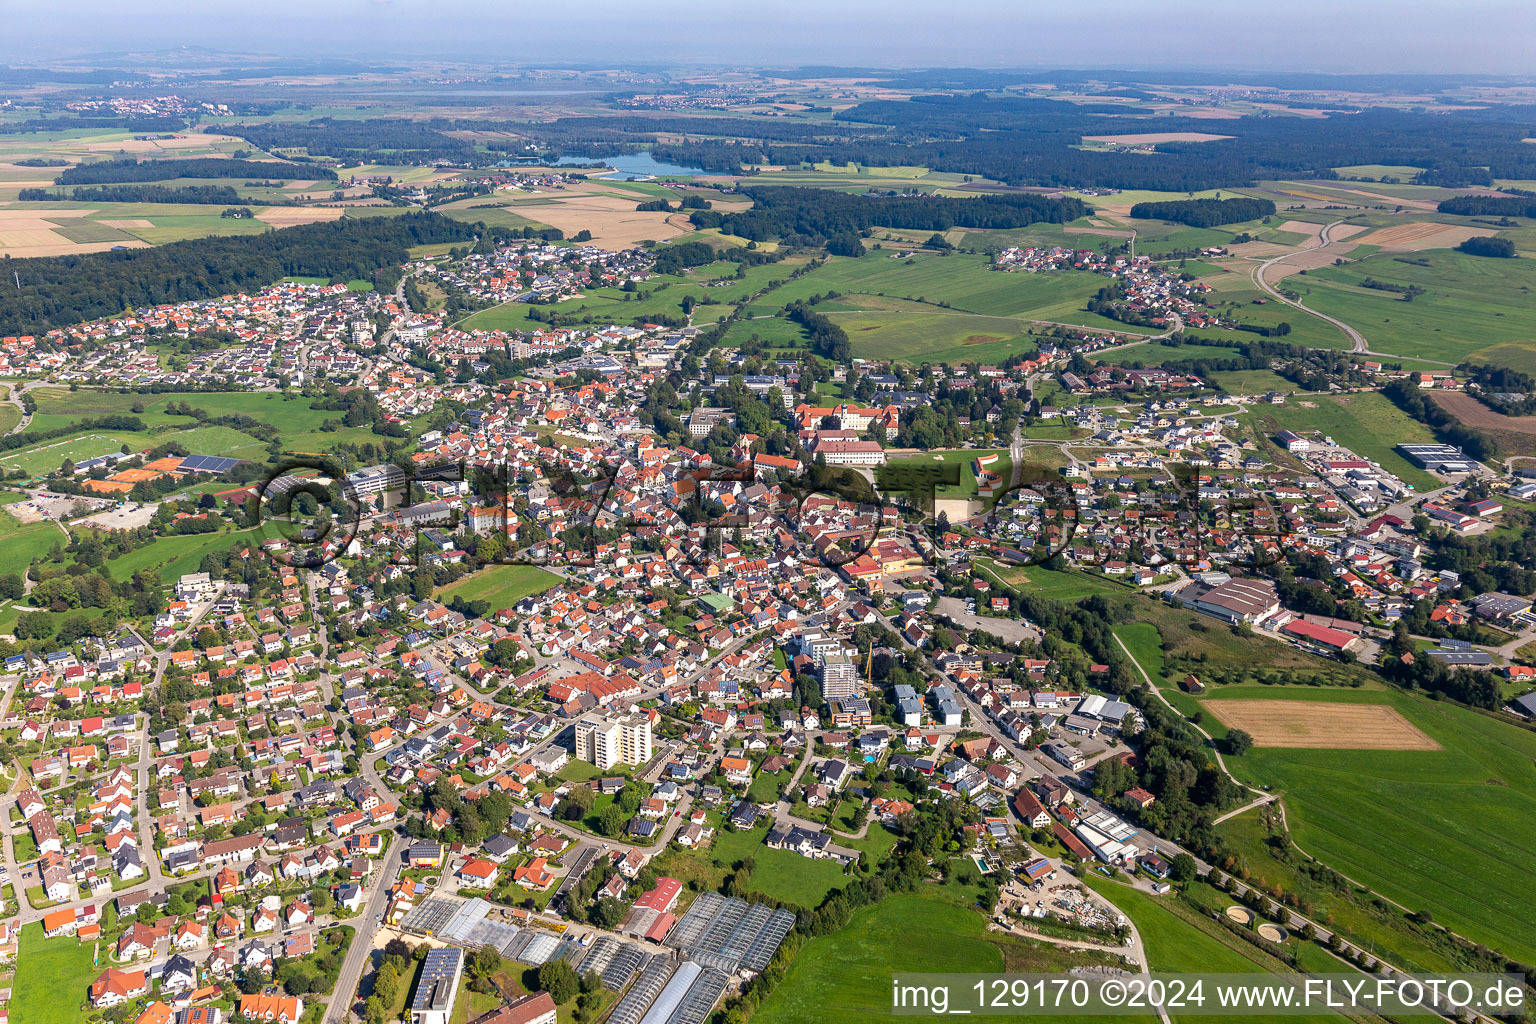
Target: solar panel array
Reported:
point(729, 934)
point(208, 464)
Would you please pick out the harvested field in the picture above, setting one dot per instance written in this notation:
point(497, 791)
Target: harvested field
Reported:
point(137, 222)
point(178, 142)
point(612, 219)
point(1415, 204)
point(1321, 725)
point(288, 216)
point(34, 232)
point(1153, 138)
point(1475, 414)
point(1302, 227)
point(1418, 235)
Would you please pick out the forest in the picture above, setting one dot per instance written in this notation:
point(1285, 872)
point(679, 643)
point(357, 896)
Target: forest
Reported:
point(60, 290)
point(116, 172)
point(1489, 206)
point(406, 142)
point(1032, 142)
point(1205, 213)
point(813, 215)
point(1496, 248)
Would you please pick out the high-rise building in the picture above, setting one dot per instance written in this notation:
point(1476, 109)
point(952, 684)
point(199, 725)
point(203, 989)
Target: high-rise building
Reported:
point(607, 740)
point(839, 677)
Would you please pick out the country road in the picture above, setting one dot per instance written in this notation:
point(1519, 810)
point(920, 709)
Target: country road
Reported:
point(1357, 342)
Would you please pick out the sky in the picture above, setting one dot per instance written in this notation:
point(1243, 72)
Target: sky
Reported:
point(1411, 36)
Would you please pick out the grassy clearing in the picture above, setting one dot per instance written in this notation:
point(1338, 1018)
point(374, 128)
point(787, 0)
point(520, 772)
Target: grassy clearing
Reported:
point(56, 973)
point(1058, 586)
point(176, 556)
point(501, 585)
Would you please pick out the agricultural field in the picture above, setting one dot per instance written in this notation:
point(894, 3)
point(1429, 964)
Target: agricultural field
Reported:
point(661, 295)
point(1372, 923)
point(847, 975)
point(1471, 307)
point(1284, 723)
point(501, 585)
point(1446, 830)
point(923, 336)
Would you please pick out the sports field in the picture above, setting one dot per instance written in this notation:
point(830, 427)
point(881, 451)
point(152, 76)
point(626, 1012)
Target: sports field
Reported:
point(1289, 723)
point(501, 585)
point(1447, 830)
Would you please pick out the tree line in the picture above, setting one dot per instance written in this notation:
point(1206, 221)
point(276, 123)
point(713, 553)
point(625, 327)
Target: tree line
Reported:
point(814, 215)
point(220, 195)
point(117, 172)
point(1205, 213)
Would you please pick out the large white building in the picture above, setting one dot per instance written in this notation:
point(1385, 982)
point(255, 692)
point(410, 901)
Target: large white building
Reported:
point(851, 453)
point(375, 480)
point(607, 740)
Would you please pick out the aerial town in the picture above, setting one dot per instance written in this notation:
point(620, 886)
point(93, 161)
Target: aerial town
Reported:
point(517, 599)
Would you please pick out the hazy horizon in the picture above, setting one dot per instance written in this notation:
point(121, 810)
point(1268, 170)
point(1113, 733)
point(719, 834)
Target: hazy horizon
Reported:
point(1369, 36)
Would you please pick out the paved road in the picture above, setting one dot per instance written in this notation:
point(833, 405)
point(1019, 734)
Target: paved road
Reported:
point(367, 924)
point(1357, 341)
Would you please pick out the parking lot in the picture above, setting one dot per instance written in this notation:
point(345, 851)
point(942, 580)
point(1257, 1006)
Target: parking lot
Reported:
point(52, 506)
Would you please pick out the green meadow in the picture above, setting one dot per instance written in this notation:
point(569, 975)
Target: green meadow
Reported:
point(847, 975)
point(1449, 831)
point(501, 585)
point(174, 557)
point(54, 976)
point(1469, 303)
